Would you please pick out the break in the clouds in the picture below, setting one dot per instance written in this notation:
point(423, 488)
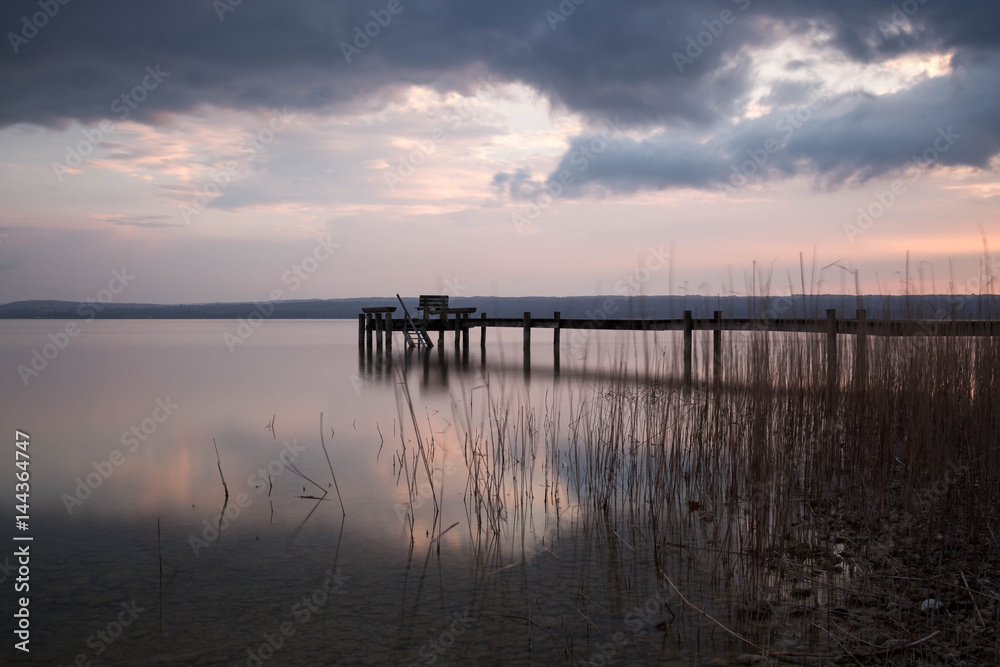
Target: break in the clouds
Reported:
point(542, 146)
point(685, 77)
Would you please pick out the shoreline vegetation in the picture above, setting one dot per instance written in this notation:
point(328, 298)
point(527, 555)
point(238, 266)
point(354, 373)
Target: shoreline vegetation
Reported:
point(852, 526)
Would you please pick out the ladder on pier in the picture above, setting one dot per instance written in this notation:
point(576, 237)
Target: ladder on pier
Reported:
point(414, 332)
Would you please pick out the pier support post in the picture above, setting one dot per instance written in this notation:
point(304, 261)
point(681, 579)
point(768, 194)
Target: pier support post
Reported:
point(465, 332)
point(388, 334)
point(861, 351)
point(369, 326)
point(482, 339)
point(688, 335)
point(378, 332)
point(831, 351)
point(465, 339)
point(527, 342)
point(442, 320)
point(556, 334)
point(361, 331)
point(458, 330)
point(717, 347)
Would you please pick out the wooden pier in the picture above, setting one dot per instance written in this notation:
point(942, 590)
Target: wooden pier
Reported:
point(380, 323)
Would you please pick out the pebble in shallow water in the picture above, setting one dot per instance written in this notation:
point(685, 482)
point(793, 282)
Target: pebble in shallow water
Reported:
point(930, 605)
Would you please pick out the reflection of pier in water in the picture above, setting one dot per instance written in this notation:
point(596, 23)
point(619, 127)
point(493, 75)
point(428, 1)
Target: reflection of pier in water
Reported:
point(376, 358)
point(433, 368)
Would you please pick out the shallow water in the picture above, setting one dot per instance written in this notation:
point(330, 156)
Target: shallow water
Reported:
point(137, 558)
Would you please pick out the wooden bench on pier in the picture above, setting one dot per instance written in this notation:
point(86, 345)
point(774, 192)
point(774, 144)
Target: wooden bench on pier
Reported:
point(437, 304)
point(432, 304)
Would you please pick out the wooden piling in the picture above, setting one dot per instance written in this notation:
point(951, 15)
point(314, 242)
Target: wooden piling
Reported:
point(369, 326)
point(527, 342)
point(688, 335)
point(717, 346)
point(442, 363)
point(831, 350)
point(378, 331)
point(557, 316)
point(482, 339)
point(443, 318)
point(361, 331)
point(465, 339)
point(388, 333)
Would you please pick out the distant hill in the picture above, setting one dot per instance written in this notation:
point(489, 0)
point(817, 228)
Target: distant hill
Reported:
point(653, 307)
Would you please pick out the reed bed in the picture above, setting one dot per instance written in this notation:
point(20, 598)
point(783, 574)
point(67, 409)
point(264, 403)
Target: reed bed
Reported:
point(852, 525)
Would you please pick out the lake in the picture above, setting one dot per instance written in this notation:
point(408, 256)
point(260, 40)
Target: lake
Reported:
point(137, 557)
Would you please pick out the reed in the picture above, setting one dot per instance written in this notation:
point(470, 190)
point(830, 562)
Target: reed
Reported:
point(218, 460)
point(830, 518)
point(333, 475)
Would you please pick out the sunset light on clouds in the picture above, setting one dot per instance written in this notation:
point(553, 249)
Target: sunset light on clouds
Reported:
point(521, 148)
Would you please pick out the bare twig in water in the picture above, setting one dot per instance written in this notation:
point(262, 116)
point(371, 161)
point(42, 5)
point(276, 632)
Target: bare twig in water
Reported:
point(792, 654)
point(291, 466)
point(512, 617)
point(709, 616)
point(218, 460)
point(973, 598)
point(441, 534)
point(332, 474)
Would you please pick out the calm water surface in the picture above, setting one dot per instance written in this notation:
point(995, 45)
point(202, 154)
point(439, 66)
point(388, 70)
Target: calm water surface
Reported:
point(137, 558)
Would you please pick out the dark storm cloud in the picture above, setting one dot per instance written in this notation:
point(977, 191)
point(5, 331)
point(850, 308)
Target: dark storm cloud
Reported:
point(604, 60)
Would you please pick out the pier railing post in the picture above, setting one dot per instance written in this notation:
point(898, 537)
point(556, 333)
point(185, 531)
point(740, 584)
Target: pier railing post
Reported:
point(831, 350)
point(688, 335)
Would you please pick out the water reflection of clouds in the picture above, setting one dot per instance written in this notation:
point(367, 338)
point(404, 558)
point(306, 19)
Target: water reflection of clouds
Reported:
point(88, 404)
point(288, 374)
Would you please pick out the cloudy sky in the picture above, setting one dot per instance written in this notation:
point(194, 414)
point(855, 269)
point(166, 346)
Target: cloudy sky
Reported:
point(220, 150)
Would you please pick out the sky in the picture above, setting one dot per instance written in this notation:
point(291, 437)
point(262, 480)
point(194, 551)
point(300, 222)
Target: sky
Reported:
point(182, 151)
